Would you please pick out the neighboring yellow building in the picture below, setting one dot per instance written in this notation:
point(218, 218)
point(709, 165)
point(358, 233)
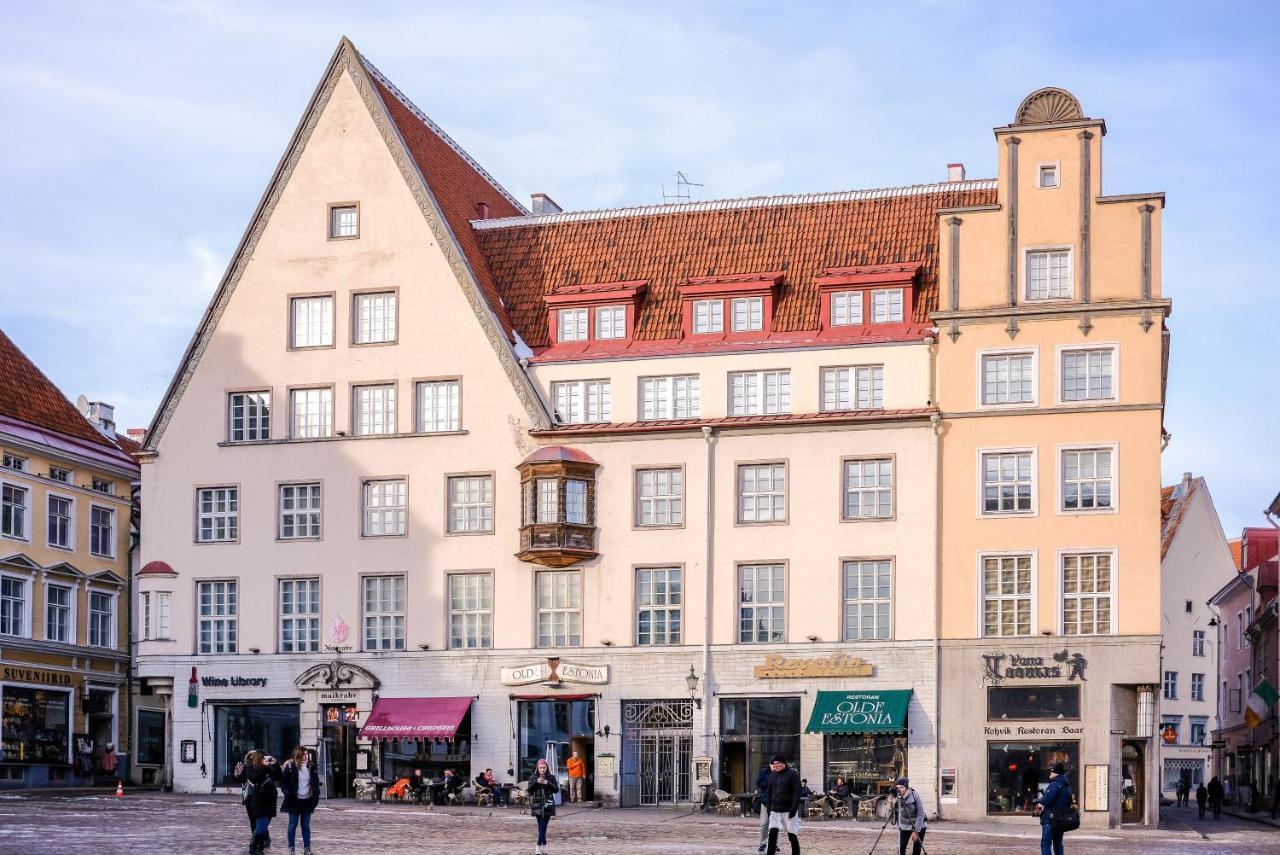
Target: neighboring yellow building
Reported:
point(1051, 384)
point(66, 487)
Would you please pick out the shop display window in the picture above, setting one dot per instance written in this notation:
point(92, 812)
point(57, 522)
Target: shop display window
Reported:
point(35, 726)
point(241, 728)
point(1018, 772)
point(150, 751)
point(751, 731)
point(552, 722)
point(1033, 703)
point(868, 762)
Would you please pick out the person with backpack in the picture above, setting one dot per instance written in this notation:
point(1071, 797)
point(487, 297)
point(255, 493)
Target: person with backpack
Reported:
point(911, 819)
point(542, 801)
point(1053, 803)
point(258, 773)
point(300, 783)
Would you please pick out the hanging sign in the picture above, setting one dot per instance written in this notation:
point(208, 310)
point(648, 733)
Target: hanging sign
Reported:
point(554, 671)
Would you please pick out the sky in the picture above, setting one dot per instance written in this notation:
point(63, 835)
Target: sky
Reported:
point(140, 135)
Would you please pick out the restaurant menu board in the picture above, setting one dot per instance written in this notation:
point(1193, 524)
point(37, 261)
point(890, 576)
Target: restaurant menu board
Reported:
point(34, 725)
point(1095, 788)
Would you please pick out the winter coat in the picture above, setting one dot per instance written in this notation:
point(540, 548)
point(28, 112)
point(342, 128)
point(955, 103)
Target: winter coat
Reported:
point(1202, 795)
point(840, 791)
point(911, 812)
point(762, 786)
point(784, 792)
point(542, 797)
point(1055, 799)
point(289, 786)
point(1215, 792)
point(261, 799)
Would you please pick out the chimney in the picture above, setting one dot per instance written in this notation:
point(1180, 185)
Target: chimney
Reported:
point(1186, 483)
point(482, 210)
point(544, 204)
point(138, 435)
point(955, 171)
point(103, 417)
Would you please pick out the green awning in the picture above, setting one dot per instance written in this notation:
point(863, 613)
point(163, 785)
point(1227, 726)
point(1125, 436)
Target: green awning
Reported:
point(883, 711)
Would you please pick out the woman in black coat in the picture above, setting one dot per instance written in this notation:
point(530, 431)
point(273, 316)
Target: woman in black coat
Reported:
point(300, 783)
point(542, 801)
point(259, 774)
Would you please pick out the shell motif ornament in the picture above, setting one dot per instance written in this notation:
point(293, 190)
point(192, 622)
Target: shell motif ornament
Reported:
point(1048, 105)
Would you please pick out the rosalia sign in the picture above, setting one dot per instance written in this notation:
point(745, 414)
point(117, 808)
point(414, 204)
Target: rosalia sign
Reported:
point(858, 710)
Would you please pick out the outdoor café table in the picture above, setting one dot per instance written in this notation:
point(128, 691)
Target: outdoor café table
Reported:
point(744, 801)
point(506, 792)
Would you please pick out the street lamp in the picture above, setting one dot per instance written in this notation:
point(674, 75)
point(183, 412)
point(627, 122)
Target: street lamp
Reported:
point(692, 682)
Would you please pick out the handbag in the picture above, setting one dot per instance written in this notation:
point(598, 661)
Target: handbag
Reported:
point(1067, 820)
point(246, 792)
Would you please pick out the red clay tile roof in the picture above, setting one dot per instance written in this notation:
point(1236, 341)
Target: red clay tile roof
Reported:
point(665, 246)
point(1237, 552)
point(27, 395)
point(1173, 507)
point(729, 422)
point(559, 454)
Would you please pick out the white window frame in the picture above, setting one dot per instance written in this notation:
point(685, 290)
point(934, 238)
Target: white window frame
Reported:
point(325, 337)
point(1113, 600)
point(1027, 252)
point(568, 611)
point(572, 324)
point(1061, 473)
point(476, 515)
point(546, 498)
point(846, 492)
point(848, 602)
point(70, 545)
point(476, 611)
point(113, 531)
point(852, 313)
point(306, 619)
point(384, 518)
point(771, 495)
point(71, 588)
point(337, 226)
point(667, 603)
point(863, 385)
point(438, 405)
point(14, 462)
point(983, 453)
point(577, 399)
point(756, 388)
point(28, 494)
point(157, 610)
point(576, 510)
point(113, 618)
point(1006, 352)
point(28, 595)
point(746, 314)
point(300, 513)
point(1033, 625)
point(670, 396)
point(373, 409)
point(230, 517)
point(324, 425)
point(1169, 679)
point(61, 475)
point(610, 323)
point(375, 312)
point(1057, 175)
point(1199, 642)
point(1061, 352)
point(888, 306)
point(712, 321)
point(671, 501)
point(228, 618)
point(1200, 684)
point(391, 622)
point(256, 424)
point(754, 604)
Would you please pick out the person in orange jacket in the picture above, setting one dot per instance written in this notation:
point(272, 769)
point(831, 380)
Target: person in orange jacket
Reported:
point(577, 768)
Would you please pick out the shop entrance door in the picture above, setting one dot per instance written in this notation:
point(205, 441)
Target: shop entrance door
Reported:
point(657, 752)
point(1133, 784)
point(341, 726)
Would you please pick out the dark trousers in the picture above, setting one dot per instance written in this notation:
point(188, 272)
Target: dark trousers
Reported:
point(1201, 806)
point(904, 837)
point(1216, 805)
point(773, 842)
point(1050, 840)
point(542, 829)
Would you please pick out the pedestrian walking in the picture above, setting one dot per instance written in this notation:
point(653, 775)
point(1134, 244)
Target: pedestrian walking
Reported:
point(259, 775)
point(911, 821)
point(577, 769)
point(1202, 798)
point(1215, 797)
point(762, 797)
point(1183, 790)
point(1056, 800)
point(300, 783)
point(784, 804)
point(542, 801)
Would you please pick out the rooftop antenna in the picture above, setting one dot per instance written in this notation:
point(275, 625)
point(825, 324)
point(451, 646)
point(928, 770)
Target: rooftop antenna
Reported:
point(682, 190)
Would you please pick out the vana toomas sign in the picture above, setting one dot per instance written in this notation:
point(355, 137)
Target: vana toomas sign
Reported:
point(860, 712)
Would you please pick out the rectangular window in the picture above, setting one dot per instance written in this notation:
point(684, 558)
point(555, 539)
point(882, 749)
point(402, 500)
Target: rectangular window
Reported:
point(1087, 479)
point(867, 603)
point(217, 514)
point(675, 397)
point(571, 325)
point(754, 393)
point(102, 485)
point(708, 316)
point(1087, 374)
point(13, 511)
point(218, 616)
point(61, 523)
point(581, 401)
point(312, 321)
point(762, 492)
point(57, 625)
point(748, 314)
point(384, 613)
point(1197, 642)
point(1006, 595)
point(1086, 594)
point(13, 606)
point(57, 473)
point(846, 308)
point(1008, 378)
point(868, 489)
point(101, 619)
point(439, 406)
point(548, 510)
point(375, 410)
point(470, 611)
point(312, 413)
point(1197, 687)
point(159, 623)
point(1048, 274)
point(1018, 771)
point(659, 597)
point(249, 416)
point(299, 615)
point(761, 603)
point(344, 221)
point(659, 497)
point(575, 501)
point(1033, 703)
point(1008, 483)
point(374, 317)
point(559, 608)
point(856, 388)
point(470, 503)
point(611, 322)
point(886, 306)
point(1170, 685)
point(13, 461)
point(1198, 731)
point(299, 511)
point(385, 507)
point(1049, 175)
point(102, 531)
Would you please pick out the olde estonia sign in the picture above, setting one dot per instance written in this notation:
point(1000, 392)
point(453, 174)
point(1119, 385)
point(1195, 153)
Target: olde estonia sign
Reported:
point(1000, 665)
point(835, 665)
point(554, 671)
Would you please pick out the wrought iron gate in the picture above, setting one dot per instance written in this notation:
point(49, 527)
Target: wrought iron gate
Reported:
point(657, 751)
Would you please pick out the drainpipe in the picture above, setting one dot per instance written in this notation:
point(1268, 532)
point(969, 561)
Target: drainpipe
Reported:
point(708, 434)
point(935, 421)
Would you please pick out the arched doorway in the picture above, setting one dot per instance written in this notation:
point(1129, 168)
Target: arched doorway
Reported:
point(1133, 784)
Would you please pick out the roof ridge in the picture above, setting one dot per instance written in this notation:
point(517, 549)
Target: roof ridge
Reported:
point(735, 203)
point(437, 130)
point(52, 392)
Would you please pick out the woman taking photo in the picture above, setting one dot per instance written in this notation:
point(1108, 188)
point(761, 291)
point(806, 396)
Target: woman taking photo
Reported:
point(300, 783)
point(259, 775)
point(542, 801)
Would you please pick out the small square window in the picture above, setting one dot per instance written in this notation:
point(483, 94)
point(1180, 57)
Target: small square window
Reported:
point(57, 473)
point(344, 221)
point(1049, 175)
point(102, 485)
point(13, 461)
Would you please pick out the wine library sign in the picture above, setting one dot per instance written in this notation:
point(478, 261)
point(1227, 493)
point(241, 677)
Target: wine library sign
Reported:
point(999, 665)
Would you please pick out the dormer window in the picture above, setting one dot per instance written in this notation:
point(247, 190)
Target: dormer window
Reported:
point(846, 308)
point(748, 314)
point(865, 295)
point(593, 313)
point(572, 325)
point(747, 299)
point(708, 316)
point(611, 322)
point(886, 306)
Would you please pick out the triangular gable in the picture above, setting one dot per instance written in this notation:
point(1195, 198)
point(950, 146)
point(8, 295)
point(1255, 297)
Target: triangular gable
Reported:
point(20, 561)
point(65, 568)
point(106, 577)
point(347, 60)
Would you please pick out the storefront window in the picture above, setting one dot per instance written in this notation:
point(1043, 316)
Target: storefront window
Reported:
point(869, 763)
point(35, 725)
point(150, 738)
point(552, 721)
point(401, 756)
point(242, 728)
point(1031, 703)
point(1018, 772)
point(751, 731)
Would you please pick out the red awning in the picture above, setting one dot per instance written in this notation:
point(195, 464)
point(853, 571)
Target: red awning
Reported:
point(415, 718)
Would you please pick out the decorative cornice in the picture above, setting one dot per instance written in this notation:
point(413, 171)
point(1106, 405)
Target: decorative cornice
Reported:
point(1031, 311)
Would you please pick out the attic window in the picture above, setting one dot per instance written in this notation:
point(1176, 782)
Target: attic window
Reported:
point(344, 221)
point(846, 308)
point(708, 316)
point(572, 325)
point(13, 461)
point(1049, 175)
point(886, 306)
point(611, 322)
point(748, 314)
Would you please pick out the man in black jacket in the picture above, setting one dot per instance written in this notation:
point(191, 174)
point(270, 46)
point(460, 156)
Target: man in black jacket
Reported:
point(784, 804)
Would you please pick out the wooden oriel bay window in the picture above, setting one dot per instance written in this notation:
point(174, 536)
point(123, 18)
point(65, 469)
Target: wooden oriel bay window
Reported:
point(558, 507)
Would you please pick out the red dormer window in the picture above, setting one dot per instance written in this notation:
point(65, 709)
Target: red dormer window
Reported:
point(586, 314)
point(867, 296)
point(729, 307)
